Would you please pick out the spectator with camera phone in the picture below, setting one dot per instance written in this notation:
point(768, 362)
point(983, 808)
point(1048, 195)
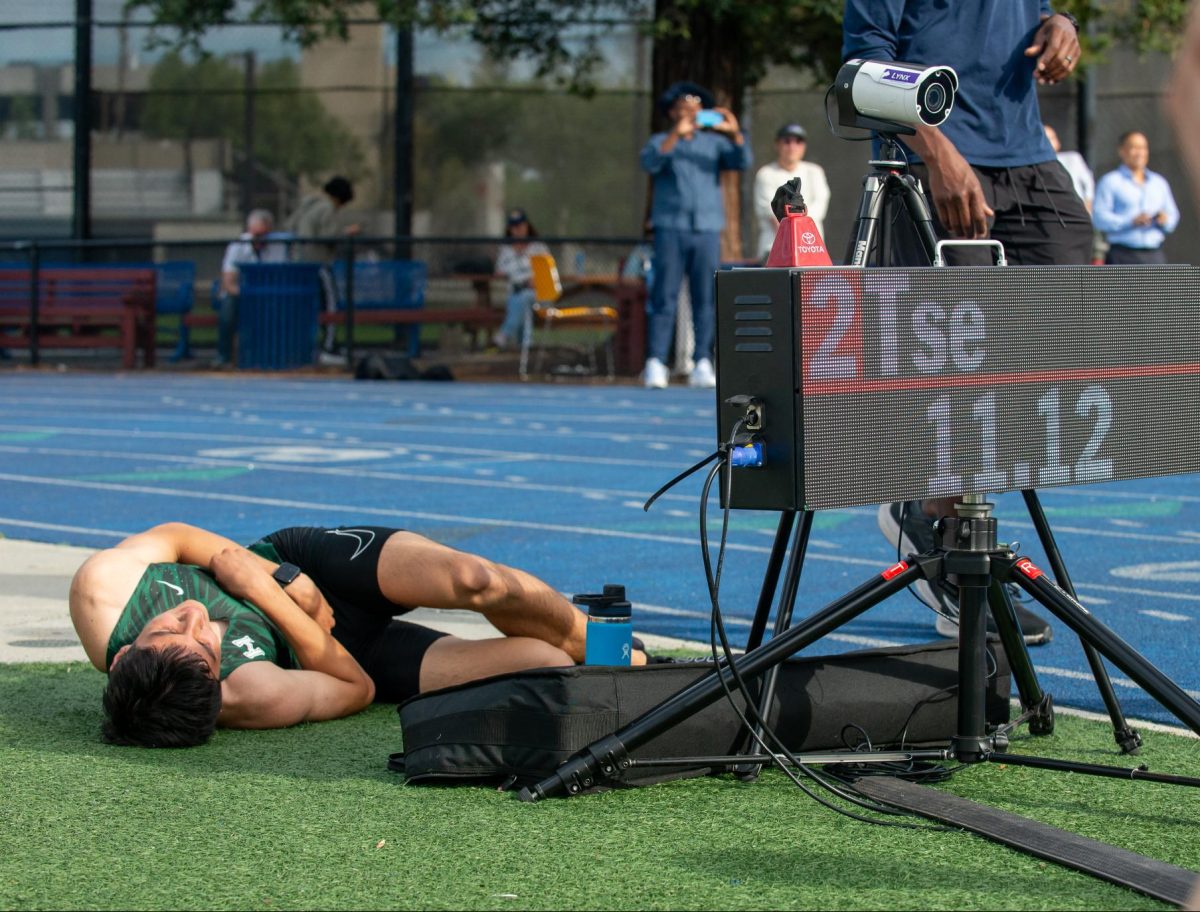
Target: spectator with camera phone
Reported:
point(687, 214)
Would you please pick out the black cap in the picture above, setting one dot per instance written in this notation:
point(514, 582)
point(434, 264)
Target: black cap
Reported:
point(679, 89)
point(516, 217)
point(611, 604)
point(791, 129)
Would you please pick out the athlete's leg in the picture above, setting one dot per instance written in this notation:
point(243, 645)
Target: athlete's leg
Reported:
point(414, 570)
point(451, 660)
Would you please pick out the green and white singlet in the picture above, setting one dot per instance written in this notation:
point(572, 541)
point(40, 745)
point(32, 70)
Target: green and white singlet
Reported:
point(250, 637)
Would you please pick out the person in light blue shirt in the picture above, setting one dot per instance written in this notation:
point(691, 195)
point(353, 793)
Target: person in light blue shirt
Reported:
point(687, 215)
point(1134, 206)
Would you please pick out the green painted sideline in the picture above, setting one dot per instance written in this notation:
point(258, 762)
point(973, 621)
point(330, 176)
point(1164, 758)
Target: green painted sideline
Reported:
point(309, 818)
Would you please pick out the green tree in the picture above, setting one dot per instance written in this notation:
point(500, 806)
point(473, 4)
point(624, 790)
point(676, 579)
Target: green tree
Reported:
point(22, 117)
point(294, 134)
point(727, 45)
point(726, 41)
point(204, 99)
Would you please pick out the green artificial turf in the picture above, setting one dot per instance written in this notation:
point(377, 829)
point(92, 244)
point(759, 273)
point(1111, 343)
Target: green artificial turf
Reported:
point(310, 818)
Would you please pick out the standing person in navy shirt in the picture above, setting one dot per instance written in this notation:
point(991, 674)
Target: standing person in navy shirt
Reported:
point(989, 172)
point(687, 216)
point(1134, 206)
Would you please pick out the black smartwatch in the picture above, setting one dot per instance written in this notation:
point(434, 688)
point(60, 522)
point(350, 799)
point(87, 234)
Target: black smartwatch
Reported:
point(1071, 19)
point(285, 573)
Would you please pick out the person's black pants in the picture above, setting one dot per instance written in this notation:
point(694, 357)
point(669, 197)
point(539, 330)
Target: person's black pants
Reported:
point(1039, 219)
point(1134, 256)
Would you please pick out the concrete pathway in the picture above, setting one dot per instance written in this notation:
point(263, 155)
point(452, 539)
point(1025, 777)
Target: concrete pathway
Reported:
point(35, 579)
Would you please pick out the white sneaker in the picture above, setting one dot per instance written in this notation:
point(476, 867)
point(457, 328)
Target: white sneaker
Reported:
point(655, 375)
point(703, 376)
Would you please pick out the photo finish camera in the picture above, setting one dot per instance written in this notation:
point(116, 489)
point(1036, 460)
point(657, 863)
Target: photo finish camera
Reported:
point(894, 97)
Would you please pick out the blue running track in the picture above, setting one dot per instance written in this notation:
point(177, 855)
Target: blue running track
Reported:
point(550, 479)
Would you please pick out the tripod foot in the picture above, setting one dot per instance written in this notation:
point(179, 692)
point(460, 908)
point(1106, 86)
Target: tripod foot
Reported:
point(1041, 722)
point(747, 773)
point(1128, 740)
point(607, 758)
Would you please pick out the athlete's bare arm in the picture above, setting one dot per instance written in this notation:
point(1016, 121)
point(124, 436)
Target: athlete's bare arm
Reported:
point(329, 684)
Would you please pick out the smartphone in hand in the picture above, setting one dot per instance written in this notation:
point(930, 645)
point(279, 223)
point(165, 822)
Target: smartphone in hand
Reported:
point(706, 119)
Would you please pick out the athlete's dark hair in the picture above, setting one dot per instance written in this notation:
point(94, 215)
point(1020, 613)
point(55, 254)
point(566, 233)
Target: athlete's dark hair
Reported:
point(160, 698)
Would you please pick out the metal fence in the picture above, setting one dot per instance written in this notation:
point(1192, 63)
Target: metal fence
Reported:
point(367, 272)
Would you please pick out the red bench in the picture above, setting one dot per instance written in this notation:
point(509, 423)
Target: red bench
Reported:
point(81, 307)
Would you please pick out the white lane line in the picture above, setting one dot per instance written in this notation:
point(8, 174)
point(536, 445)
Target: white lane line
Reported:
point(138, 434)
point(744, 622)
point(1109, 533)
point(1121, 495)
point(874, 642)
point(1087, 676)
point(344, 509)
point(1165, 615)
point(1140, 724)
point(1133, 590)
point(358, 509)
point(414, 424)
point(56, 527)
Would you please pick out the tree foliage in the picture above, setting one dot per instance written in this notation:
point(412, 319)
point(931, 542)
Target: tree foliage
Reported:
point(728, 44)
point(204, 99)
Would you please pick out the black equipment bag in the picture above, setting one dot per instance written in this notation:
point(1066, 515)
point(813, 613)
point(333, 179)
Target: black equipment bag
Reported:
point(517, 728)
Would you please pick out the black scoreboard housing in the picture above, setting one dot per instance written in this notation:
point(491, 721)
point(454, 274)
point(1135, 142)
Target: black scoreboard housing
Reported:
point(881, 385)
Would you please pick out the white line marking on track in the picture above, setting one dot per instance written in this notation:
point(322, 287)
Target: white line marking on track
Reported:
point(57, 527)
point(869, 641)
point(1132, 590)
point(1166, 615)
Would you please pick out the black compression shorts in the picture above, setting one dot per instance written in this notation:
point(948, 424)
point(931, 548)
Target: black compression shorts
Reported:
point(344, 562)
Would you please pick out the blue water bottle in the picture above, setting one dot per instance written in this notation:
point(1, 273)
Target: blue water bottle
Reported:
point(610, 627)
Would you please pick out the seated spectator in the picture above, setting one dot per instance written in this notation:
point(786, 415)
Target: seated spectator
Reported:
point(255, 245)
point(513, 264)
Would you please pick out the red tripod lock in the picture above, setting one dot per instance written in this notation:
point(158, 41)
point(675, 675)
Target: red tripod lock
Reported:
point(798, 242)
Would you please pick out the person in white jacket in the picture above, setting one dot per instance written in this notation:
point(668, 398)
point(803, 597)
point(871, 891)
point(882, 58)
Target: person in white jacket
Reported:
point(791, 143)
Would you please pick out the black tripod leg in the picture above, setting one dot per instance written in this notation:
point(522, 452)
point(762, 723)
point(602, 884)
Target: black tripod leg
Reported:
point(918, 210)
point(870, 210)
point(1127, 738)
point(1103, 640)
point(766, 595)
point(1033, 698)
point(971, 743)
point(610, 754)
point(783, 620)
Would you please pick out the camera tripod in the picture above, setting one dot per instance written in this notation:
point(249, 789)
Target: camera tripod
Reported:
point(968, 554)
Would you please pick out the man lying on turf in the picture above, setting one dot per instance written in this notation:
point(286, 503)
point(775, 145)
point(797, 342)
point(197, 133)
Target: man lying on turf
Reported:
point(196, 631)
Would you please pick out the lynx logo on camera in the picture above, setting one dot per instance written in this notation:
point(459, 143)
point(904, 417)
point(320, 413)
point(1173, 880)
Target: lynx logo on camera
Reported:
point(906, 76)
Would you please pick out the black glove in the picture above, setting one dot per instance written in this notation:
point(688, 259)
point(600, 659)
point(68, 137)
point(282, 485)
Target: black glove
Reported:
point(788, 197)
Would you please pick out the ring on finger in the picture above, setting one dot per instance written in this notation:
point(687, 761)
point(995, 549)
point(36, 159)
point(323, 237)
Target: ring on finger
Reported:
point(1069, 59)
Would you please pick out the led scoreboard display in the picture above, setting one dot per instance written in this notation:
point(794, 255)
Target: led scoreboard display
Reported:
point(881, 385)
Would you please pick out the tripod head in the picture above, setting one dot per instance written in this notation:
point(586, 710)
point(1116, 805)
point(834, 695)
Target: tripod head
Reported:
point(890, 156)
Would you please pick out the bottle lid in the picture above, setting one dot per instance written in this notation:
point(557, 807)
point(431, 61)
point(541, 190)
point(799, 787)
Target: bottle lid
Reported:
point(609, 604)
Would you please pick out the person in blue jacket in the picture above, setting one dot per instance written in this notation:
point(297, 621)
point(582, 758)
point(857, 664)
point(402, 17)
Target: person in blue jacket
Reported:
point(989, 172)
point(687, 215)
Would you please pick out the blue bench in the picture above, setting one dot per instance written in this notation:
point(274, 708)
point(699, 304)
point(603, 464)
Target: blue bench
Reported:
point(382, 289)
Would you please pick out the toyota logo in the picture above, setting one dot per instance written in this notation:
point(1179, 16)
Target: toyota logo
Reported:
point(808, 237)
